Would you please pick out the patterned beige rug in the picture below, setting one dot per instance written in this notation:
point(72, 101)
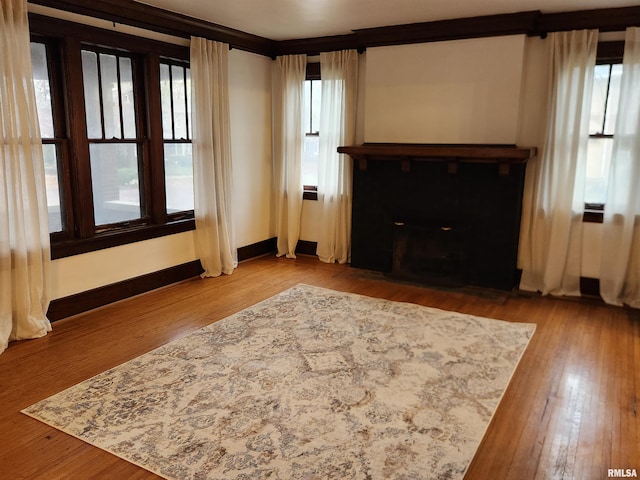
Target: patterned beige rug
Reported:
point(309, 384)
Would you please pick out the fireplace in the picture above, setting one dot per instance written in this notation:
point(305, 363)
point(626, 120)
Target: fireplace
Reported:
point(445, 214)
point(431, 250)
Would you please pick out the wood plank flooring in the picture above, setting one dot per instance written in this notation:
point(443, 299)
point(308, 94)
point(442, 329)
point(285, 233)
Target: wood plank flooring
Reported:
point(570, 412)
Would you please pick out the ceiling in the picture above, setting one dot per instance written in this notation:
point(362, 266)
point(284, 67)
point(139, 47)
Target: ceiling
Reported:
point(289, 19)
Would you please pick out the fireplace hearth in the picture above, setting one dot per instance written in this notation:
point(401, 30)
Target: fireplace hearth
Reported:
point(438, 214)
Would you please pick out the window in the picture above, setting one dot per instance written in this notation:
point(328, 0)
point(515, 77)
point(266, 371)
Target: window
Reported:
point(604, 109)
point(175, 92)
point(114, 115)
point(115, 137)
point(311, 121)
point(52, 140)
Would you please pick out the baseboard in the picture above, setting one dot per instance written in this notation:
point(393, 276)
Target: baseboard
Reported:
point(590, 287)
point(306, 247)
point(257, 249)
point(98, 297)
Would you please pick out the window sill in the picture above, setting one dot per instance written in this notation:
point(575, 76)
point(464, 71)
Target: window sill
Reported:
point(68, 248)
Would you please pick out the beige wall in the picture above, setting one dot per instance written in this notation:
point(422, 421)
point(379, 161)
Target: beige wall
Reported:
point(84, 272)
point(250, 105)
point(490, 90)
point(462, 91)
point(531, 123)
point(429, 93)
point(309, 229)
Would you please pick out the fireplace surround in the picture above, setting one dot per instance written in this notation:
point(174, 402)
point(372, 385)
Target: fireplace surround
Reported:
point(446, 214)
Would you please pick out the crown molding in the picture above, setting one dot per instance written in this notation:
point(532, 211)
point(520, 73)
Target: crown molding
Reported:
point(455, 29)
point(530, 23)
point(156, 19)
point(603, 19)
point(314, 46)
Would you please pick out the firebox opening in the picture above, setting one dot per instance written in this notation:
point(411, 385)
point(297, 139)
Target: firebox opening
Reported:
point(430, 251)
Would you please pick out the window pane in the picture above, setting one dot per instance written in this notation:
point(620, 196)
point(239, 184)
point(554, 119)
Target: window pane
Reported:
point(599, 98)
point(50, 153)
point(316, 97)
point(115, 182)
point(188, 87)
point(598, 161)
point(178, 168)
point(126, 89)
point(110, 94)
point(311, 112)
point(310, 160)
point(91, 94)
point(306, 113)
point(165, 99)
point(42, 89)
point(179, 102)
point(614, 98)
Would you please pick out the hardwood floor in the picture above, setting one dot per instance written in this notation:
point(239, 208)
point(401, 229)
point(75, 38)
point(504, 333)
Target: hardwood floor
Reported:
point(571, 410)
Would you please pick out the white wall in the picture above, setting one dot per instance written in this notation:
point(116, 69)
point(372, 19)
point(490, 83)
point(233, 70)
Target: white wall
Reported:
point(250, 105)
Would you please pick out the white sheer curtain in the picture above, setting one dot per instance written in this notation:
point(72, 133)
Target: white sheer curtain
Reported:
point(24, 231)
point(289, 74)
point(620, 268)
point(551, 232)
point(337, 127)
point(212, 167)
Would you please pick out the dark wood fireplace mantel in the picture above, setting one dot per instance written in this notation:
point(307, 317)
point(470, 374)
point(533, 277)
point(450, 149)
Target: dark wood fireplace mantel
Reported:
point(405, 153)
point(439, 213)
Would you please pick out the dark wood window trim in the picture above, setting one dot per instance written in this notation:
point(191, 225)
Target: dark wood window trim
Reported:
point(610, 52)
point(313, 71)
point(114, 238)
point(593, 213)
point(310, 192)
point(65, 40)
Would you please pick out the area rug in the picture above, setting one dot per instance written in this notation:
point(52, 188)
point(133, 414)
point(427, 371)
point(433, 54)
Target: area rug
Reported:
point(309, 384)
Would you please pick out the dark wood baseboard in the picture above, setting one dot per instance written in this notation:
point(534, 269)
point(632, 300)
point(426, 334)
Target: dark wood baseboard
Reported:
point(306, 247)
point(590, 287)
point(98, 297)
point(257, 249)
